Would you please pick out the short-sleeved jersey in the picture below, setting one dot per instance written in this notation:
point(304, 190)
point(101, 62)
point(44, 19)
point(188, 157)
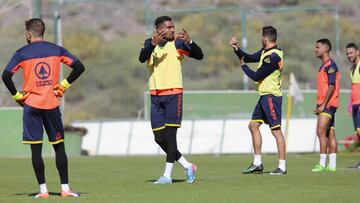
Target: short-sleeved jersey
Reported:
point(40, 63)
point(328, 75)
point(355, 84)
point(165, 66)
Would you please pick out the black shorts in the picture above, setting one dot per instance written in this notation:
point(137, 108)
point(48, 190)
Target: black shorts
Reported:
point(166, 110)
point(268, 110)
point(34, 122)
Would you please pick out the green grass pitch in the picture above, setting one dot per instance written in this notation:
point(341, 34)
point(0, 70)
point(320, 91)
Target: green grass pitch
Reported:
point(219, 179)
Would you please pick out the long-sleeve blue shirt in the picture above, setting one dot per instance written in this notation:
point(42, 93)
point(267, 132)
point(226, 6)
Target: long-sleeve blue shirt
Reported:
point(192, 50)
point(269, 64)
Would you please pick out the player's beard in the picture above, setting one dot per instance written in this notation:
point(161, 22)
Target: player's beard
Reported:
point(318, 55)
point(170, 37)
point(353, 60)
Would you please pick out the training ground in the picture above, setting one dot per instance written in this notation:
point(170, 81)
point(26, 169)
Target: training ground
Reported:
point(219, 179)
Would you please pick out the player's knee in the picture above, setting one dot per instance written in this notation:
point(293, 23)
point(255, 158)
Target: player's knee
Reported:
point(253, 126)
point(276, 132)
point(321, 131)
point(159, 136)
point(159, 139)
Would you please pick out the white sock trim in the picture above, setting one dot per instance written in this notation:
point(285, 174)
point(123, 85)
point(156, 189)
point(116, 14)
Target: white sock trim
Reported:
point(43, 188)
point(332, 160)
point(184, 163)
point(322, 161)
point(65, 187)
point(282, 165)
point(168, 169)
point(257, 159)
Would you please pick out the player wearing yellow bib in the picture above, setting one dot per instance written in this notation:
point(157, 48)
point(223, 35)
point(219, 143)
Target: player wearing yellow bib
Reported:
point(268, 79)
point(353, 55)
point(164, 54)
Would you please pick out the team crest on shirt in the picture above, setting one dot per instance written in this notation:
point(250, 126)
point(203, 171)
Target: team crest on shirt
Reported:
point(331, 70)
point(267, 60)
point(42, 70)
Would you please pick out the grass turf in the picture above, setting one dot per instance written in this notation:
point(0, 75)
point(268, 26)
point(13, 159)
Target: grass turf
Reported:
point(219, 179)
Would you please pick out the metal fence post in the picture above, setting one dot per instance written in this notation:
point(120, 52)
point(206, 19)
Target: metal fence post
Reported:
point(191, 135)
point(99, 137)
point(130, 136)
point(314, 149)
point(222, 137)
point(36, 9)
point(337, 30)
point(244, 42)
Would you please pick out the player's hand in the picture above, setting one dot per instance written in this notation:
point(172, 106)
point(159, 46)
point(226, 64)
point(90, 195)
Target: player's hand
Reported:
point(60, 89)
point(184, 36)
point(157, 37)
point(242, 62)
point(20, 97)
point(319, 109)
point(315, 111)
point(234, 43)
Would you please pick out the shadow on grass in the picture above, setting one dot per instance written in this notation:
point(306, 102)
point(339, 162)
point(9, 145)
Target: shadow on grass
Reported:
point(267, 172)
point(51, 194)
point(264, 172)
point(173, 180)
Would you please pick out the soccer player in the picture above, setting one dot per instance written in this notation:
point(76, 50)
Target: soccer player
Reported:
point(164, 53)
point(40, 64)
point(328, 82)
point(353, 55)
point(268, 79)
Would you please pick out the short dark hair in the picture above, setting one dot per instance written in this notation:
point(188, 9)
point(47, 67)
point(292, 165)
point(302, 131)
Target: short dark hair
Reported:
point(326, 42)
point(352, 45)
point(160, 20)
point(269, 32)
point(36, 26)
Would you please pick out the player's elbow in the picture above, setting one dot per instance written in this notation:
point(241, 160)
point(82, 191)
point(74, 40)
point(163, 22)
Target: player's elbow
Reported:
point(142, 58)
point(78, 67)
point(6, 76)
point(257, 78)
point(81, 68)
point(201, 56)
point(197, 56)
point(3, 76)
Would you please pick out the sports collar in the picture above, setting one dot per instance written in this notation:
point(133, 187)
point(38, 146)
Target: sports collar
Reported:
point(274, 47)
